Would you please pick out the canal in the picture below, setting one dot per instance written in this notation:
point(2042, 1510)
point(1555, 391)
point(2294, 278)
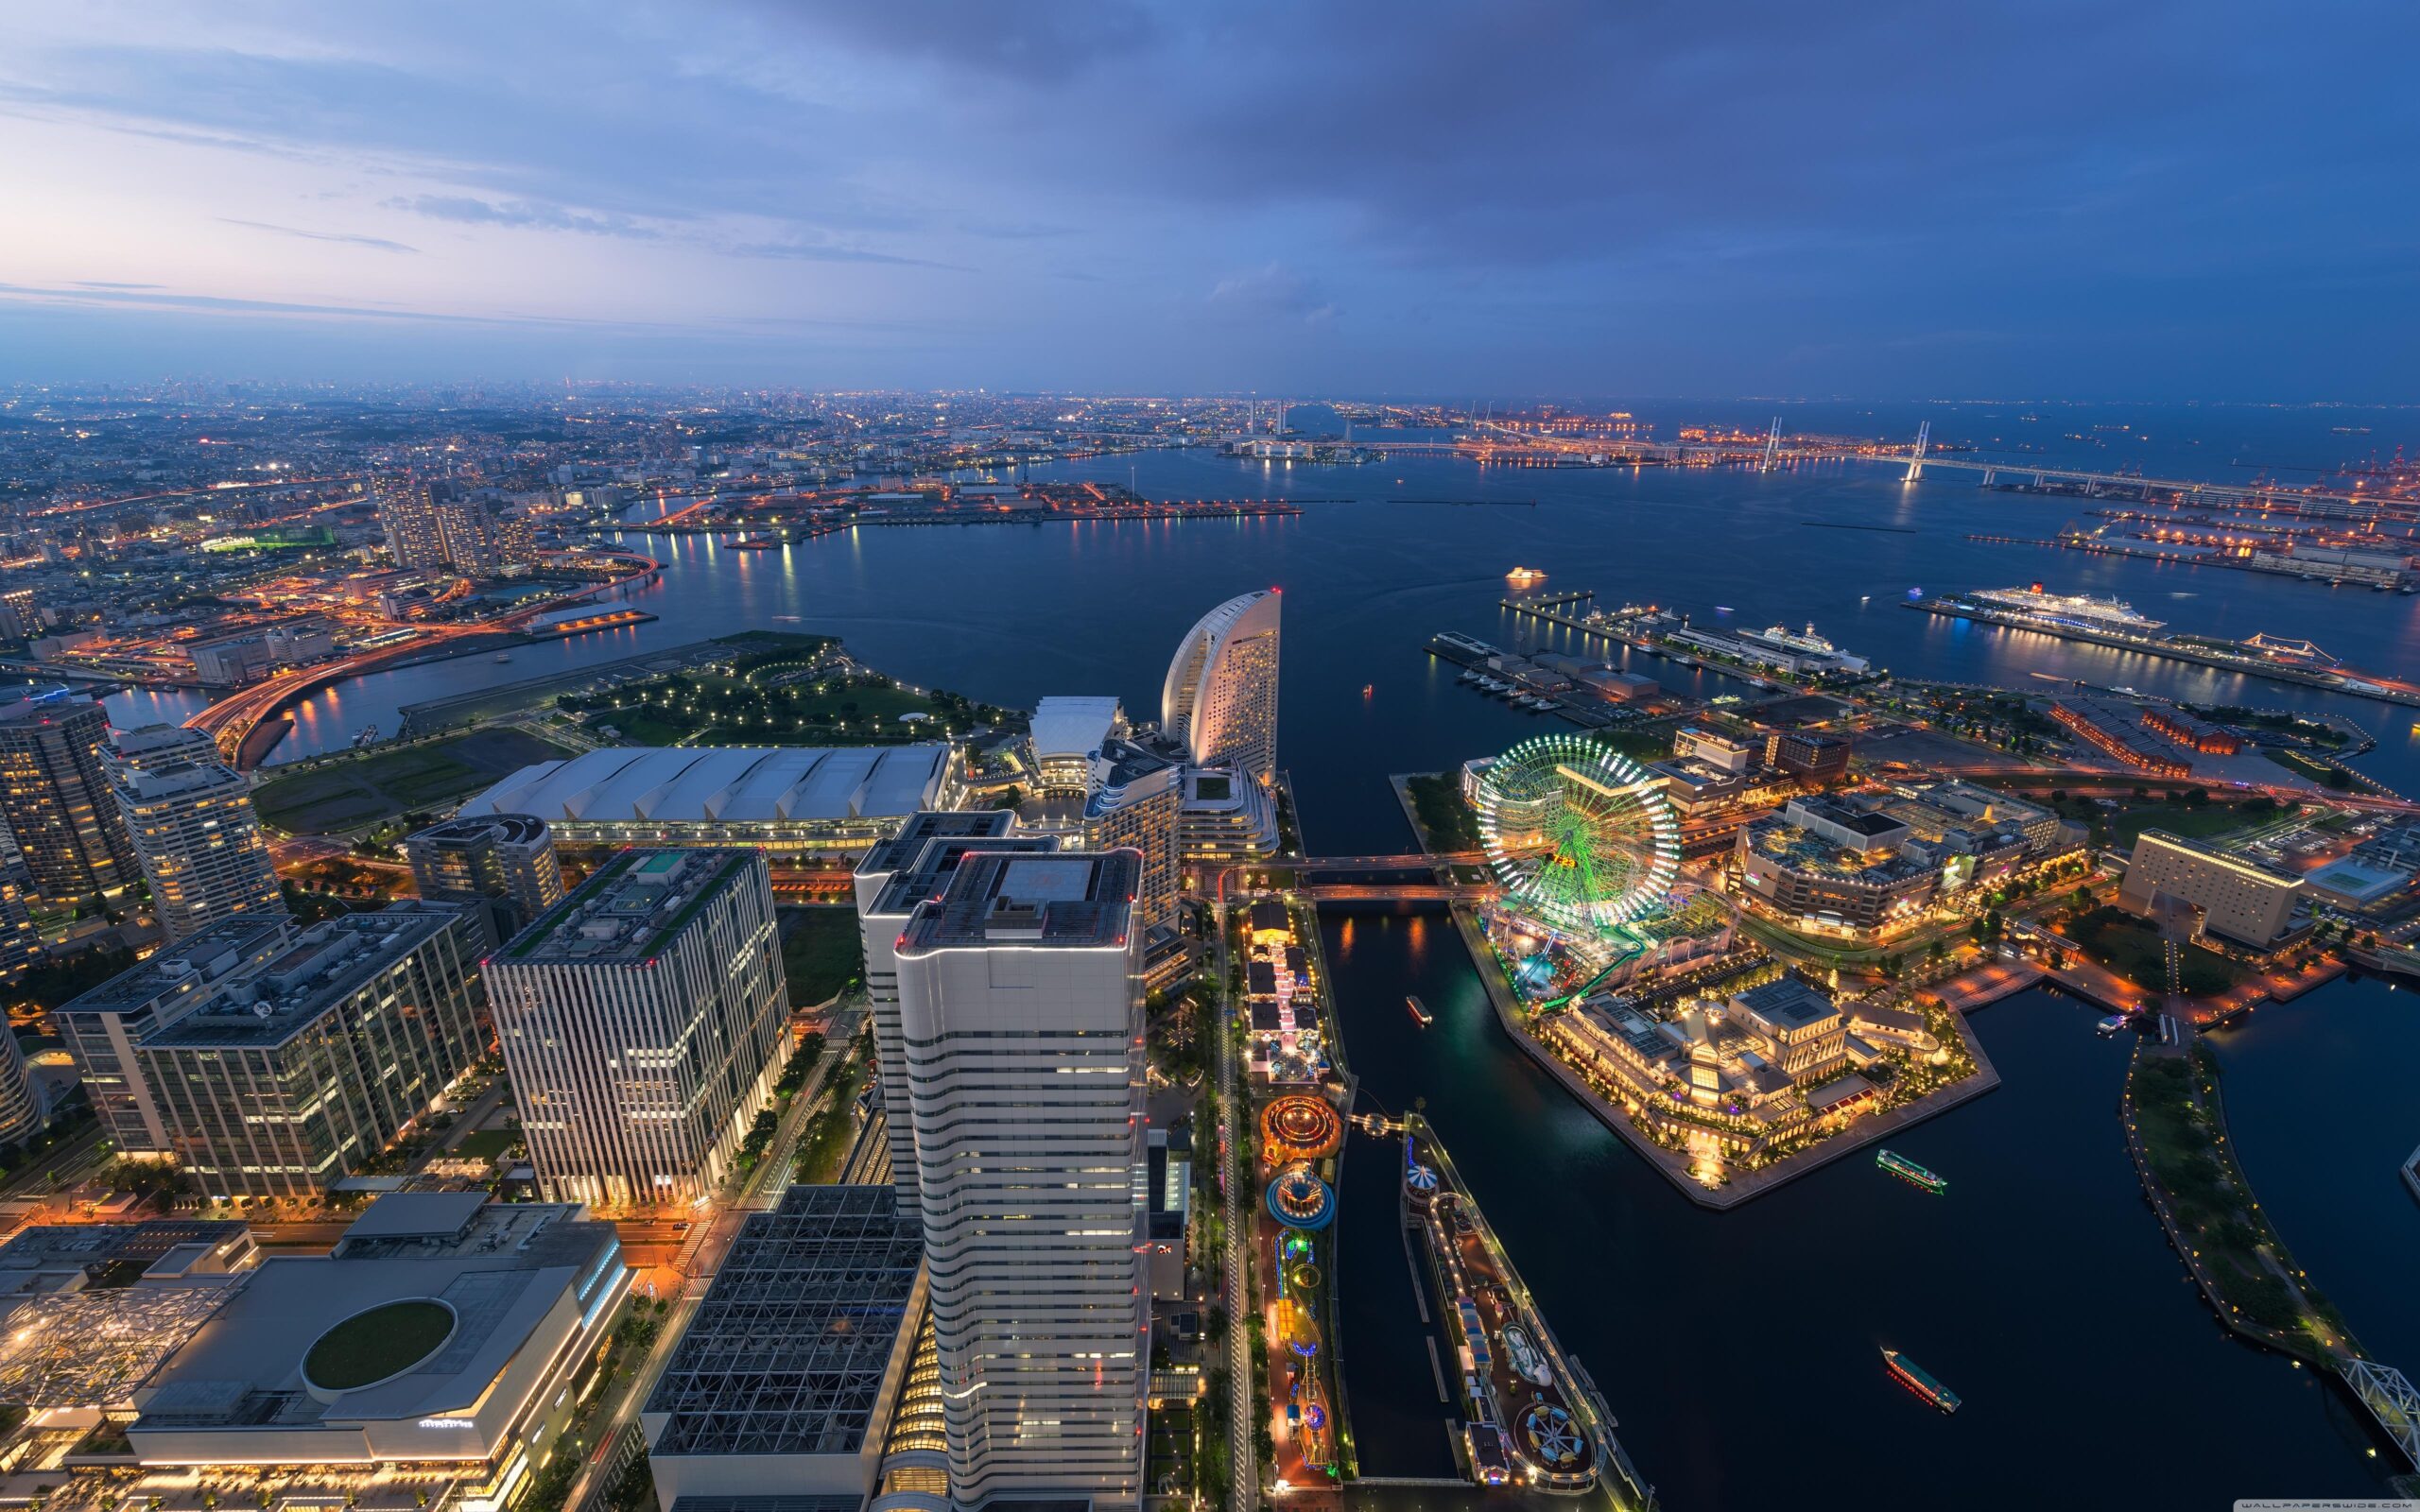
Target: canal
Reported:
point(1740, 1351)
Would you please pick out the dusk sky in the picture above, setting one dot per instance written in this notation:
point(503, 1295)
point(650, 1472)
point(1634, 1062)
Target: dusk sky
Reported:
point(2193, 200)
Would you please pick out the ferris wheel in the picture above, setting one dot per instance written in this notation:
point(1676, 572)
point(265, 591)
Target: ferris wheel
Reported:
point(1581, 837)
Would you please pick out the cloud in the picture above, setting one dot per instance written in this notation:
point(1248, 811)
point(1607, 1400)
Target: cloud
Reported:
point(103, 283)
point(809, 251)
point(1036, 41)
point(1271, 295)
point(377, 243)
point(466, 211)
point(144, 297)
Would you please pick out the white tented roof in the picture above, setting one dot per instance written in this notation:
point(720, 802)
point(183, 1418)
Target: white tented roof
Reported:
point(1073, 727)
point(736, 785)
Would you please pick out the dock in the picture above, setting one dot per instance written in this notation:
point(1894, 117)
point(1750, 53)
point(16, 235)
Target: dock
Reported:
point(1532, 1418)
point(2175, 649)
point(1555, 608)
point(1480, 659)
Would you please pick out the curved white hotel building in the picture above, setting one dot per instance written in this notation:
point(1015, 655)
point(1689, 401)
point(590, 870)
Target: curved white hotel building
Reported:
point(1221, 698)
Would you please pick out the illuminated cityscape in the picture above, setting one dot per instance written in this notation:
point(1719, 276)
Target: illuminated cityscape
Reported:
point(1132, 758)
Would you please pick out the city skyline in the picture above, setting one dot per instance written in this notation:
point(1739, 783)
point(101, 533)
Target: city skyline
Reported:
point(1099, 756)
point(1529, 201)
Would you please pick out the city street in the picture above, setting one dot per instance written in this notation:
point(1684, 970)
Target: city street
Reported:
point(1243, 1488)
point(705, 1240)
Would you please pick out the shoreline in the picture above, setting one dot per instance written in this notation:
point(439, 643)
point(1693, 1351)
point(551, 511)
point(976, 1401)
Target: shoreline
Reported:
point(1675, 1168)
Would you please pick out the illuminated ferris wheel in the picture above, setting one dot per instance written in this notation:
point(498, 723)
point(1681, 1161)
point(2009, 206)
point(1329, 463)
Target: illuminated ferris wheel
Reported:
point(1581, 837)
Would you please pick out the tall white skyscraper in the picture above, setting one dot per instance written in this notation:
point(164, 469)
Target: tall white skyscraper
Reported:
point(1219, 700)
point(894, 880)
point(1020, 1002)
point(641, 1019)
point(190, 816)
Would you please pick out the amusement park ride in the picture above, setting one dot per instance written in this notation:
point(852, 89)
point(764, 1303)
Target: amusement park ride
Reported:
point(1587, 850)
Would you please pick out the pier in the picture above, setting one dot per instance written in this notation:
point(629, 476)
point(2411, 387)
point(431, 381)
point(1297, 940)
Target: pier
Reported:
point(1532, 1418)
point(1554, 609)
point(2219, 1265)
point(2177, 650)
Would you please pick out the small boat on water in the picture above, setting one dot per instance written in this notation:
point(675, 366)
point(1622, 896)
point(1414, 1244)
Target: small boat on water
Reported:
point(2110, 1025)
point(1910, 1172)
point(1918, 1380)
point(1420, 1014)
point(504, 656)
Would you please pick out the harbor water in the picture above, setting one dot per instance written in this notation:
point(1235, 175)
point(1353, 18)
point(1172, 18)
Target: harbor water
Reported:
point(1740, 1349)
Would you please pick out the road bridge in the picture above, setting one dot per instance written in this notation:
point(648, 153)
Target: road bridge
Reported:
point(231, 720)
point(2391, 1400)
point(1356, 892)
point(1918, 460)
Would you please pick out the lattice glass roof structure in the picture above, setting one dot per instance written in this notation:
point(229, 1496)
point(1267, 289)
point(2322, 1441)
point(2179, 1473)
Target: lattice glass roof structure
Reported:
point(787, 1353)
point(92, 1348)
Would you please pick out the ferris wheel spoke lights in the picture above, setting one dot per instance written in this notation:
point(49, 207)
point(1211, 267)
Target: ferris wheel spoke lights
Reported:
point(1579, 836)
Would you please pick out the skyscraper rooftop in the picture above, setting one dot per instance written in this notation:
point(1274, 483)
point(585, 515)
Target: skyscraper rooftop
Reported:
point(628, 909)
point(1063, 901)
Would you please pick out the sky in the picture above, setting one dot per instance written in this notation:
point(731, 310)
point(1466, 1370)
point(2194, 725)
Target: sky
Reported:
point(1991, 198)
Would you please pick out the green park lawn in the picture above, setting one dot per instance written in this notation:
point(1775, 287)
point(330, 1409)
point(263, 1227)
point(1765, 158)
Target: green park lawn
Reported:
point(2132, 948)
point(374, 1344)
point(353, 792)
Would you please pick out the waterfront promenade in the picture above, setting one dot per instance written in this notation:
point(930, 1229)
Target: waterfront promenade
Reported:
point(1674, 1166)
point(2234, 1254)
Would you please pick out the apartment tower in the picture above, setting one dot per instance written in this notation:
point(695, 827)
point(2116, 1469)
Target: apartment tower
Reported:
point(190, 817)
point(55, 795)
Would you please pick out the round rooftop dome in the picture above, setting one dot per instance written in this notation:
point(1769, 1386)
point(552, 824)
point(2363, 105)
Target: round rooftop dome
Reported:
point(377, 1344)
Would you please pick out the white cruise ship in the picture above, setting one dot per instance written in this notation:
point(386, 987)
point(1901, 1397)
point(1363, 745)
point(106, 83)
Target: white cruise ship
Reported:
point(2070, 608)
